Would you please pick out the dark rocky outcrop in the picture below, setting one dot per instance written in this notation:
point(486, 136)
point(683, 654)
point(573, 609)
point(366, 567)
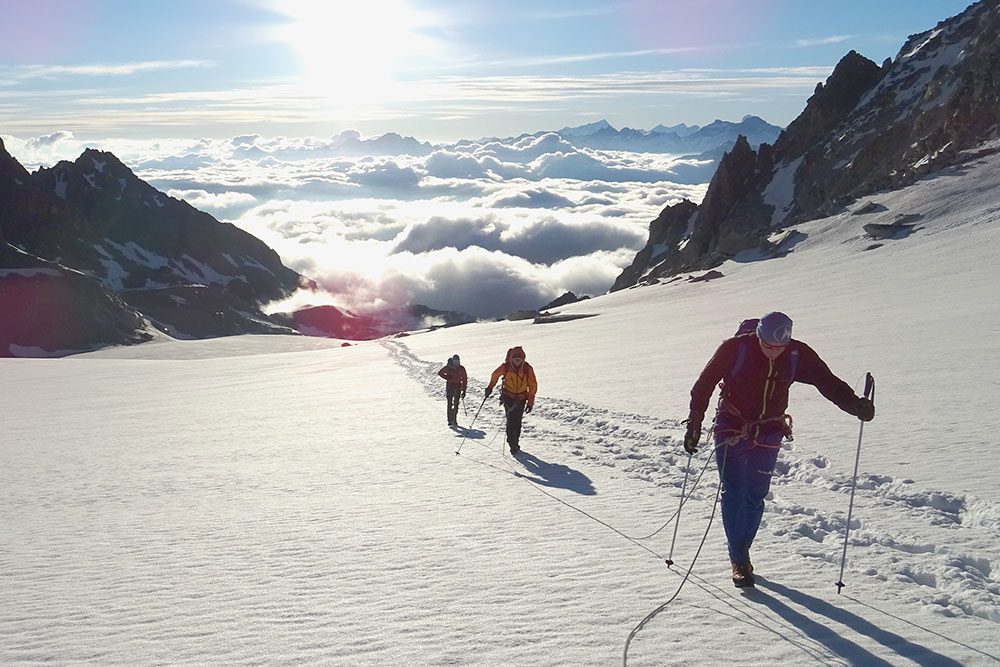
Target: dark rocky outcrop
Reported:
point(727, 220)
point(867, 128)
point(123, 247)
point(115, 220)
point(336, 322)
point(939, 97)
point(426, 316)
point(519, 315)
point(202, 311)
point(555, 318)
point(665, 233)
point(565, 299)
point(333, 322)
point(49, 309)
point(829, 105)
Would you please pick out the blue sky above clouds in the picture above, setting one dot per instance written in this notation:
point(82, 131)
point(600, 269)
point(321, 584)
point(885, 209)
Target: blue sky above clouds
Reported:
point(435, 69)
point(269, 113)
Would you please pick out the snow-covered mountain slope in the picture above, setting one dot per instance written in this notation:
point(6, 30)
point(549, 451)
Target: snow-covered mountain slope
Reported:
point(273, 499)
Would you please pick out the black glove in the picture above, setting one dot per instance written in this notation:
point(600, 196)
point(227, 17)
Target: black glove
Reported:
point(692, 437)
point(489, 391)
point(865, 409)
point(527, 408)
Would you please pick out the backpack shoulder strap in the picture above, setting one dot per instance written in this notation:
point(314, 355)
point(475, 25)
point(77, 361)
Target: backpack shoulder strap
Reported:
point(793, 363)
point(741, 355)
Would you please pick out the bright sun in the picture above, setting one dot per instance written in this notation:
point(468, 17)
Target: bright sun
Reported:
point(354, 48)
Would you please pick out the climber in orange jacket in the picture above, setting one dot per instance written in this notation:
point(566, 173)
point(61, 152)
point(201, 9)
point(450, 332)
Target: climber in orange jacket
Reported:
point(517, 393)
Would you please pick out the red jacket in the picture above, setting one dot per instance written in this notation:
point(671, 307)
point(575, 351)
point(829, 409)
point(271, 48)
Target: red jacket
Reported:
point(455, 376)
point(759, 388)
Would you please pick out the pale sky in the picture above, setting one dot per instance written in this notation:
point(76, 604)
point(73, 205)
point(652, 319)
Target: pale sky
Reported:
point(438, 70)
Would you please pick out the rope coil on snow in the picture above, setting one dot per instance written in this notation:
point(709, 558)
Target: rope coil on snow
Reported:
point(690, 569)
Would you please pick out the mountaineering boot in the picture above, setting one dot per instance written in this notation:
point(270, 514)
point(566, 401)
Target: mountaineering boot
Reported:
point(514, 448)
point(743, 575)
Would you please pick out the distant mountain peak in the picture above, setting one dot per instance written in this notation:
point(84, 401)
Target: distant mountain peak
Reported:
point(680, 129)
point(584, 130)
point(718, 136)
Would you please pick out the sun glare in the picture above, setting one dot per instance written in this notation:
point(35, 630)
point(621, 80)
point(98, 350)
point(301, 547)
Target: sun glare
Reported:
point(352, 50)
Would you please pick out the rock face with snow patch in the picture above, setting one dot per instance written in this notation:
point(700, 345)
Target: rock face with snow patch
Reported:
point(50, 309)
point(665, 233)
point(194, 276)
point(867, 128)
point(133, 236)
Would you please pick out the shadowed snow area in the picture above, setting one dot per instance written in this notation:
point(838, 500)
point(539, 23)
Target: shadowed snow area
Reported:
point(284, 500)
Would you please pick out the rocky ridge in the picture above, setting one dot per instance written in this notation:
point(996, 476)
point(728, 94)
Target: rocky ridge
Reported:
point(88, 247)
point(867, 128)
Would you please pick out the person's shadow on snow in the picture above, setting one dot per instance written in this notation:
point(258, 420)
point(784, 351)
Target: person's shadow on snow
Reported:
point(472, 433)
point(852, 652)
point(554, 474)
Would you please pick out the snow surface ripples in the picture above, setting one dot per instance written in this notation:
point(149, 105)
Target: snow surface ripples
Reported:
point(941, 553)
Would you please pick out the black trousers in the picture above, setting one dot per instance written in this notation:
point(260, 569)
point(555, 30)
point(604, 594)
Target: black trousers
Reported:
point(453, 393)
point(514, 407)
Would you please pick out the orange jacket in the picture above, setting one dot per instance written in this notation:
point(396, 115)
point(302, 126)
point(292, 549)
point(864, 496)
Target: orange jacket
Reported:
point(518, 382)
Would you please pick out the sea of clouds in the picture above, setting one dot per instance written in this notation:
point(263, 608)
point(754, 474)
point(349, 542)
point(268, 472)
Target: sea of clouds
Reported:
point(483, 226)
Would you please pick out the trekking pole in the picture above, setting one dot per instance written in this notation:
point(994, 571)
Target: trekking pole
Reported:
point(869, 390)
point(463, 406)
point(470, 425)
point(677, 518)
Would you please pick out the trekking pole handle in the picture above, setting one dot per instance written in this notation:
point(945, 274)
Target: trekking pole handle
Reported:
point(869, 387)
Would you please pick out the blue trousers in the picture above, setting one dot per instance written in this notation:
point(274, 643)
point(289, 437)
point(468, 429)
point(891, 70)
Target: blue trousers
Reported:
point(745, 470)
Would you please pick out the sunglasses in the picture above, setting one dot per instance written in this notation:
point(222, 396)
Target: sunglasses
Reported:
point(772, 351)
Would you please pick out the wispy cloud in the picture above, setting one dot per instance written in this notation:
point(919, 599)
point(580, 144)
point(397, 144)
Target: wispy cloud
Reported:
point(538, 61)
point(819, 41)
point(571, 14)
point(103, 69)
point(290, 105)
point(273, 96)
point(805, 70)
point(563, 88)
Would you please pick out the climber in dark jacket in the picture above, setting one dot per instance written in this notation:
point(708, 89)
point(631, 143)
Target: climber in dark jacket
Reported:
point(756, 370)
point(456, 381)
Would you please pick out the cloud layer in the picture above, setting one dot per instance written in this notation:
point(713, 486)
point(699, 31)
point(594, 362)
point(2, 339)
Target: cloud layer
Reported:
point(485, 227)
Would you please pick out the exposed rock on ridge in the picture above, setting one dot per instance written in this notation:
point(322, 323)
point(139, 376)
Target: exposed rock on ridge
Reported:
point(47, 308)
point(867, 128)
point(93, 229)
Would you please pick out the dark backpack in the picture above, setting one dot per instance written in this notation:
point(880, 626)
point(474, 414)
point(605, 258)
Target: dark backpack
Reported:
point(747, 327)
